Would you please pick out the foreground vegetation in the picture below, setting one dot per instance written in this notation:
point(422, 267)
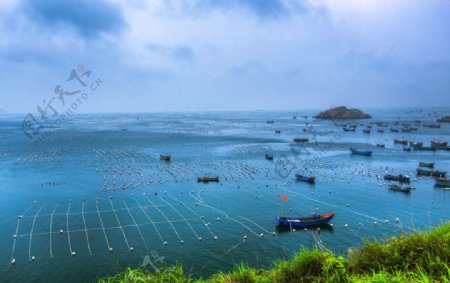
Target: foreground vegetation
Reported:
point(419, 257)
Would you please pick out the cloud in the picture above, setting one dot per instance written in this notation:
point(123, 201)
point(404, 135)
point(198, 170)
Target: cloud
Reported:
point(177, 52)
point(87, 18)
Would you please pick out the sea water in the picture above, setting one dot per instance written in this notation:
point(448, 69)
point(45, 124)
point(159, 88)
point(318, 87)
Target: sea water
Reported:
point(92, 197)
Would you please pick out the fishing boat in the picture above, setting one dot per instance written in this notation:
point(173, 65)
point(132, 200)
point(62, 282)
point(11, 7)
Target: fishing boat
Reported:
point(306, 179)
point(301, 140)
point(434, 126)
point(415, 145)
point(165, 157)
point(394, 130)
point(381, 145)
point(424, 164)
point(445, 119)
point(442, 182)
point(432, 173)
point(406, 149)
point(380, 130)
point(305, 222)
point(269, 156)
point(435, 144)
point(427, 148)
point(358, 152)
point(348, 129)
point(399, 178)
point(403, 142)
point(398, 188)
point(207, 179)
point(366, 131)
point(277, 132)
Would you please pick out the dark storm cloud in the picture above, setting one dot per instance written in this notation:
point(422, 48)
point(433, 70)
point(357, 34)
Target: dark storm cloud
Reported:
point(88, 18)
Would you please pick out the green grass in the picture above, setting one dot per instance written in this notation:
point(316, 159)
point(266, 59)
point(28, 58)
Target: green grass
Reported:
point(419, 257)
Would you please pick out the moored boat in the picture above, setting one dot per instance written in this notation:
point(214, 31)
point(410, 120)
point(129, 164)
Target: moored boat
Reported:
point(306, 179)
point(268, 156)
point(399, 178)
point(432, 173)
point(398, 188)
point(442, 182)
point(435, 144)
point(358, 152)
point(301, 140)
point(207, 179)
point(406, 149)
point(305, 222)
point(424, 164)
point(403, 142)
point(381, 145)
point(165, 157)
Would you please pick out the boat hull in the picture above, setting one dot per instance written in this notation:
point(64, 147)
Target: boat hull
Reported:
point(305, 222)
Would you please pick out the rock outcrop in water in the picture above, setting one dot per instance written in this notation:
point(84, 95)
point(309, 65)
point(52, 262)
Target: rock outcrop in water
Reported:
point(342, 112)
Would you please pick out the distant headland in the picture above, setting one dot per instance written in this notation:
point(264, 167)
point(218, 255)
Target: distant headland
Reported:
point(342, 112)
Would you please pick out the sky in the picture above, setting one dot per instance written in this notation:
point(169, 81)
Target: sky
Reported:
point(168, 55)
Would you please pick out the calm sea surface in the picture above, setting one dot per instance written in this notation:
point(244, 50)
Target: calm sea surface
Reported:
point(93, 197)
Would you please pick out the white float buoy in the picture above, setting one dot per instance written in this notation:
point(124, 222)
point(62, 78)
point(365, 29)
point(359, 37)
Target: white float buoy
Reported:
point(131, 249)
point(215, 238)
point(74, 253)
point(245, 237)
point(165, 243)
point(13, 261)
point(33, 258)
point(110, 249)
point(61, 231)
point(273, 233)
point(200, 238)
point(346, 225)
point(182, 242)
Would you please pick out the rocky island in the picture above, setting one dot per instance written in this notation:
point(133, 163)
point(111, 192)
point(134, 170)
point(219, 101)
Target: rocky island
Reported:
point(342, 112)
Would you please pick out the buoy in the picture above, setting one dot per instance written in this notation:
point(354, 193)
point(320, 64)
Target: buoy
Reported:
point(348, 204)
point(215, 238)
point(200, 238)
point(13, 261)
point(375, 222)
point(14, 236)
point(293, 230)
point(386, 221)
point(110, 249)
point(346, 225)
point(165, 243)
point(261, 235)
point(131, 249)
point(397, 220)
point(182, 242)
point(61, 231)
point(33, 258)
point(273, 233)
point(245, 237)
point(74, 253)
